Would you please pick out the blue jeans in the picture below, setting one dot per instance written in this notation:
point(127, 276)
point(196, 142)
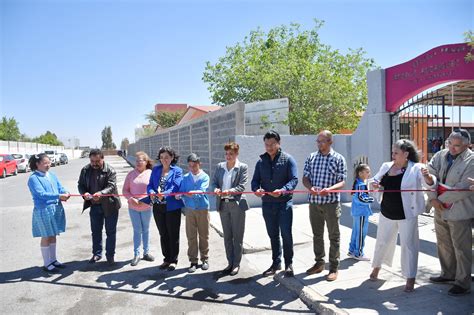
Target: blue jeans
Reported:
point(141, 225)
point(97, 223)
point(278, 218)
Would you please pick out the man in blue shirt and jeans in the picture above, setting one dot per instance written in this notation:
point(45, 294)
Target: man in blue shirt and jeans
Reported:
point(275, 173)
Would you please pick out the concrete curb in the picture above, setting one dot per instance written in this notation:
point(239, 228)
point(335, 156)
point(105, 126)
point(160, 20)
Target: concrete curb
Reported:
point(309, 296)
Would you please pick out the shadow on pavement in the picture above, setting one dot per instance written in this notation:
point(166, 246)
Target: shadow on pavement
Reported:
point(206, 286)
point(392, 300)
point(426, 247)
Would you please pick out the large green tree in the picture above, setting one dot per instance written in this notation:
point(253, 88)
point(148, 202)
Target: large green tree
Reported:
point(469, 39)
point(164, 119)
point(326, 88)
point(9, 130)
point(48, 138)
point(124, 144)
point(107, 141)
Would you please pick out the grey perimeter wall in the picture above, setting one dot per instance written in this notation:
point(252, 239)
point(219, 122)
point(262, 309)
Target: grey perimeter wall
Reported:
point(206, 136)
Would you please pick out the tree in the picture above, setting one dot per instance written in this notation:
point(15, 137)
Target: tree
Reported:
point(125, 143)
point(326, 89)
point(48, 138)
point(164, 119)
point(145, 131)
point(469, 39)
point(24, 138)
point(107, 141)
point(9, 130)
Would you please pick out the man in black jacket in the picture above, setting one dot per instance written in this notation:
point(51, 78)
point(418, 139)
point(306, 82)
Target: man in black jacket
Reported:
point(98, 185)
point(275, 174)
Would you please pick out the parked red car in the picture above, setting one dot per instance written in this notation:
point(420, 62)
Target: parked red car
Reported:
point(7, 165)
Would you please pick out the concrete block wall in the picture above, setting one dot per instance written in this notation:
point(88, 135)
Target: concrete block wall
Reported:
point(200, 142)
point(223, 130)
point(205, 136)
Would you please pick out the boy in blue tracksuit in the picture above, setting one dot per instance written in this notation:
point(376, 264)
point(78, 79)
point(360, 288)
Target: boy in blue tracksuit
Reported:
point(360, 212)
point(196, 210)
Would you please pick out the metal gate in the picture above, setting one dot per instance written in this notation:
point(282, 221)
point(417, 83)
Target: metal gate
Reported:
point(422, 120)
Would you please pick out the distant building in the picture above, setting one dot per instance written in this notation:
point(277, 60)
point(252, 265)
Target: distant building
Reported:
point(171, 108)
point(70, 143)
point(194, 112)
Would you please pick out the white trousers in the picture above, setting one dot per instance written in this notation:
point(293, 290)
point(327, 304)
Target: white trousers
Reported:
point(387, 240)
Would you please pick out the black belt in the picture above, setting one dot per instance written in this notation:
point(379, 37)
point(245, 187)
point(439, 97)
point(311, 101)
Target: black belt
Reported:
point(227, 200)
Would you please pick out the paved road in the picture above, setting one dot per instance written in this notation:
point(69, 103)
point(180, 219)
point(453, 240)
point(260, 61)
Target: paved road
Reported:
point(95, 289)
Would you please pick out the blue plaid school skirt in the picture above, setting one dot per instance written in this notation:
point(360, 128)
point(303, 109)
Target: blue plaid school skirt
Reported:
point(49, 221)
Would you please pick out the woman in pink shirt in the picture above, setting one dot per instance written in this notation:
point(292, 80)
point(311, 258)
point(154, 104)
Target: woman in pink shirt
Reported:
point(134, 189)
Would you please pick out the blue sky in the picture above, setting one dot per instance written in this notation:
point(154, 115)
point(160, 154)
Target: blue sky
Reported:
point(73, 67)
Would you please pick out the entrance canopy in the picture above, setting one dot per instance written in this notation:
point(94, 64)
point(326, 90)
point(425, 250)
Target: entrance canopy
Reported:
point(438, 65)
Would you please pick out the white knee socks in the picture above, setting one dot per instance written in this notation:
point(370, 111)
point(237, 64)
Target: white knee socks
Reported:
point(52, 252)
point(45, 251)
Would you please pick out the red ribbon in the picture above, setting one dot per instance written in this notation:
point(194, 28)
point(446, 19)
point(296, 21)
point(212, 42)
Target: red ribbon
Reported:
point(267, 193)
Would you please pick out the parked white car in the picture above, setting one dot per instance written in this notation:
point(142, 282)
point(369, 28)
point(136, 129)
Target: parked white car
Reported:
point(22, 162)
point(54, 157)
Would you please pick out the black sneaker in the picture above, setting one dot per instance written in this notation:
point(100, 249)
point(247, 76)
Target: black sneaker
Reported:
point(458, 291)
point(135, 261)
point(164, 265)
point(289, 271)
point(234, 271)
point(94, 259)
point(148, 257)
point(192, 268)
point(271, 271)
point(172, 267)
point(110, 260)
point(226, 270)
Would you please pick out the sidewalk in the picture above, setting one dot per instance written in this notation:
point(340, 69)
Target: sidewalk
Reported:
point(352, 292)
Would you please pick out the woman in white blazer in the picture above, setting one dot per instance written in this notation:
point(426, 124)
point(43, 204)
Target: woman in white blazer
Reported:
point(400, 210)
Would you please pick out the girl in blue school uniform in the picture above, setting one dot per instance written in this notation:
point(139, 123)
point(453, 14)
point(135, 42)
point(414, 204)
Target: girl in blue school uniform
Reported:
point(360, 212)
point(48, 213)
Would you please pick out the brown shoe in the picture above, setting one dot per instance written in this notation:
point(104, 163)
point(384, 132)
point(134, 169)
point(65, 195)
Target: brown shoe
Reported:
point(332, 275)
point(317, 268)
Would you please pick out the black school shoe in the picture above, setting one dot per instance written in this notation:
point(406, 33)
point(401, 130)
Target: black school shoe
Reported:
point(57, 264)
point(50, 268)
